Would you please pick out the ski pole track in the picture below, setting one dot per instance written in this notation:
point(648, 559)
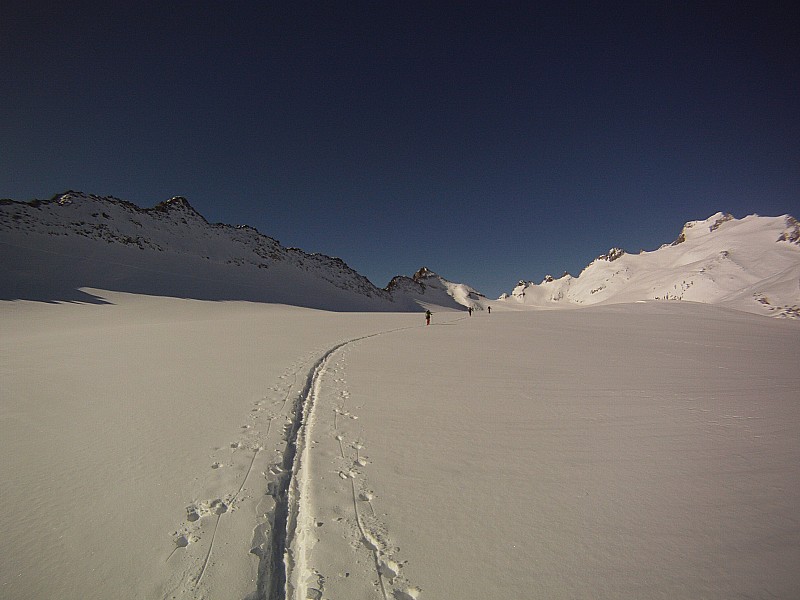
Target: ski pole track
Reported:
point(369, 541)
point(372, 532)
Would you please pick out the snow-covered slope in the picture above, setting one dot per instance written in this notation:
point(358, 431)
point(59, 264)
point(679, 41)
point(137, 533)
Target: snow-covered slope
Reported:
point(51, 249)
point(750, 264)
point(427, 288)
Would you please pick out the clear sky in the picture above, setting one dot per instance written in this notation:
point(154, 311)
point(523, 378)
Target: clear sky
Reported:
point(489, 141)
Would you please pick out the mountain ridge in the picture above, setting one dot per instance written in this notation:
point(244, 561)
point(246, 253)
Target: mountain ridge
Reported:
point(750, 264)
point(56, 249)
point(200, 252)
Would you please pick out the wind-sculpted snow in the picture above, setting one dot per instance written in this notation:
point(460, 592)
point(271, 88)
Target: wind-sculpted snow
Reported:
point(751, 264)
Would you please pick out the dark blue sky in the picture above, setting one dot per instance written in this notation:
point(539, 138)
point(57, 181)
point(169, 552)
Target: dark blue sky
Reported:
point(490, 141)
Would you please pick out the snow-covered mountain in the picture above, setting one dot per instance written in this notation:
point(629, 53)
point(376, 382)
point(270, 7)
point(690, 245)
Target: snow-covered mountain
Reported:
point(750, 264)
point(53, 248)
point(427, 288)
point(60, 249)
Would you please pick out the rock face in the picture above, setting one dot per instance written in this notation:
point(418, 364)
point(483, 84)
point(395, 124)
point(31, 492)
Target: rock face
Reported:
point(750, 264)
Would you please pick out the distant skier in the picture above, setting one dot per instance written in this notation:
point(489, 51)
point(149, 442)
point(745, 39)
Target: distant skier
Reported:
point(470, 311)
point(428, 317)
point(490, 309)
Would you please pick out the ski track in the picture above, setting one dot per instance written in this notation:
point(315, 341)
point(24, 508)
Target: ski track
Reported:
point(302, 581)
point(280, 536)
point(196, 525)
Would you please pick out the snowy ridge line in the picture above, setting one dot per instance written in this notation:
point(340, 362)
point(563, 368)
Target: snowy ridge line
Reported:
point(750, 264)
point(76, 228)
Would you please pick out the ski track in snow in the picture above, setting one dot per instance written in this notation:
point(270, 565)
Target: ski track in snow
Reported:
point(300, 580)
point(204, 518)
point(281, 534)
point(304, 580)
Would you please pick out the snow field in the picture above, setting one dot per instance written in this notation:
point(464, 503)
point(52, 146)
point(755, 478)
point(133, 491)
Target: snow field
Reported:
point(634, 451)
point(142, 437)
point(626, 451)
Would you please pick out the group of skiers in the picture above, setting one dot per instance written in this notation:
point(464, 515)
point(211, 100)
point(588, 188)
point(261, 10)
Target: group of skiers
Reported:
point(428, 314)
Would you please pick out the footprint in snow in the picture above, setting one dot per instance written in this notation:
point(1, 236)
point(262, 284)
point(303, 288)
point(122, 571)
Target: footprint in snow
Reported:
point(209, 507)
point(371, 542)
point(180, 542)
point(389, 569)
point(359, 459)
point(368, 497)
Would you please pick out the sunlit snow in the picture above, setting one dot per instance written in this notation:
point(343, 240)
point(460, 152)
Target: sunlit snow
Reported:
point(645, 450)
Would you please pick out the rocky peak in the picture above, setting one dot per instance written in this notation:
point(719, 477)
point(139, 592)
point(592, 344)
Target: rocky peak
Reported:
point(724, 218)
point(792, 232)
point(612, 255)
point(177, 204)
point(401, 283)
point(423, 273)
